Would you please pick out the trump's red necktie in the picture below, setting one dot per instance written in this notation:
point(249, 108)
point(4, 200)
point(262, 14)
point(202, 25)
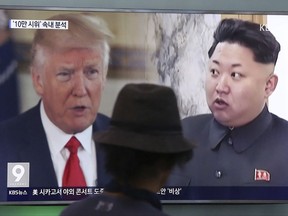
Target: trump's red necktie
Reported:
point(73, 174)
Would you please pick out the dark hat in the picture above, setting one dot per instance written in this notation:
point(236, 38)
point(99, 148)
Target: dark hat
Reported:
point(146, 117)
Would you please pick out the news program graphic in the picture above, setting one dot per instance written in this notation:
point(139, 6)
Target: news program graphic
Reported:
point(263, 27)
point(18, 175)
point(38, 24)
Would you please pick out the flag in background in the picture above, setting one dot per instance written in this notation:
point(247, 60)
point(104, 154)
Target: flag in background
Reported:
point(9, 98)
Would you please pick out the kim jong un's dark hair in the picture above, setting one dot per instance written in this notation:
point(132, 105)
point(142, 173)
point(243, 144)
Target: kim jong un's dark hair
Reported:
point(251, 35)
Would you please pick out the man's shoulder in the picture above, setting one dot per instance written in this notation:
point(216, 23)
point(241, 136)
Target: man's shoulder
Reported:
point(111, 205)
point(279, 123)
point(197, 119)
point(196, 125)
point(101, 123)
point(20, 120)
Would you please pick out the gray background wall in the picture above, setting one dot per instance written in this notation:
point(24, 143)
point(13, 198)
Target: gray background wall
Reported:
point(275, 6)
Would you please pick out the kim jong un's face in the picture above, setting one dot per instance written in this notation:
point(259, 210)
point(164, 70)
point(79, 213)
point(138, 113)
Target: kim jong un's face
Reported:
point(237, 87)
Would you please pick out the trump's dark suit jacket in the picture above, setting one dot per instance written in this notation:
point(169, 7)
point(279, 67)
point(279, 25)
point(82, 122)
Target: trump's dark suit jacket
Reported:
point(23, 139)
point(255, 154)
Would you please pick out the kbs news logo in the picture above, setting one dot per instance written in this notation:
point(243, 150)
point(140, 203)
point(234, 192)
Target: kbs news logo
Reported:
point(18, 174)
point(263, 27)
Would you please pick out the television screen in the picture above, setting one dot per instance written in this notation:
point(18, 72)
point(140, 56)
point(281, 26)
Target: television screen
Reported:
point(166, 48)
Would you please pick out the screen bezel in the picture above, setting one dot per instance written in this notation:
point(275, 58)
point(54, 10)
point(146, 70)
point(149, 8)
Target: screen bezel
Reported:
point(160, 11)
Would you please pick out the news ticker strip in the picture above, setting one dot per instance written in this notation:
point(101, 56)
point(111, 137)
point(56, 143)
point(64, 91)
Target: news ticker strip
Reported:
point(38, 24)
point(259, 194)
point(70, 193)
